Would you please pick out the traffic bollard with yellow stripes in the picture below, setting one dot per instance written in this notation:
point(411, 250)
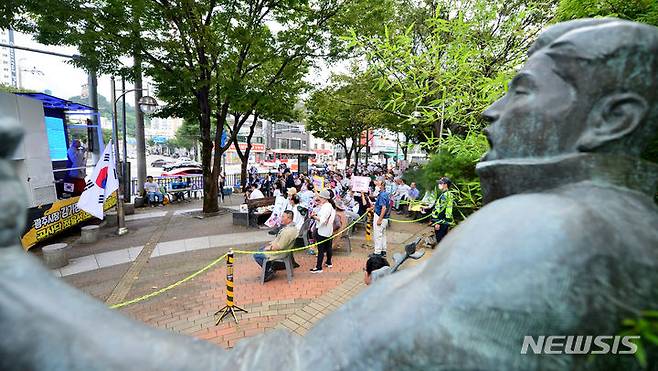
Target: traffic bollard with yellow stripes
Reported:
point(369, 228)
point(230, 306)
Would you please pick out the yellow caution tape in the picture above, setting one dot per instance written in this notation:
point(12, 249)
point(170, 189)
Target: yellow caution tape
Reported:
point(410, 221)
point(214, 262)
point(178, 283)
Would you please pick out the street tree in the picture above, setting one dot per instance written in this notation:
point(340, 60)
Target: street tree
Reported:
point(247, 59)
point(342, 112)
point(201, 54)
point(447, 61)
point(278, 106)
point(645, 11)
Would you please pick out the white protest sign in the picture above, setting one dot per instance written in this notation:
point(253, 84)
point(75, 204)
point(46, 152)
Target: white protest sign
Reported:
point(360, 183)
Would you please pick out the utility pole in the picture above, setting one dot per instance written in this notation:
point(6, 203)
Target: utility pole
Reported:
point(93, 102)
point(121, 220)
point(139, 128)
point(125, 171)
point(367, 145)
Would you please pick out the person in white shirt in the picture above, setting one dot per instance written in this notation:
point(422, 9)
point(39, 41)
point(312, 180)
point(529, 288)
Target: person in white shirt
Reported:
point(152, 190)
point(325, 224)
point(298, 218)
point(277, 190)
point(256, 193)
point(402, 193)
point(306, 196)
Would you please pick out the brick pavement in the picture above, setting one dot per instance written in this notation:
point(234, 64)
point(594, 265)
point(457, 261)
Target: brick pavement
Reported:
point(189, 309)
point(124, 285)
point(295, 306)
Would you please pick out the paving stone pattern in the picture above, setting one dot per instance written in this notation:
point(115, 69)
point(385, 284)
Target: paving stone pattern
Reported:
point(295, 306)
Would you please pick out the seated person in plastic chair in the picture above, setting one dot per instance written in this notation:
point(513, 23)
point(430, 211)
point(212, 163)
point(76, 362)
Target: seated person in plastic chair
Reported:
point(153, 193)
point(179, 184)
point(284, 240)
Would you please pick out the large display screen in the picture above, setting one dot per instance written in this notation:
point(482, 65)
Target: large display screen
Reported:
point(56, 138)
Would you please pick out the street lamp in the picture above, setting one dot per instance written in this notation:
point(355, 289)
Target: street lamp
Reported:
point(147, 105)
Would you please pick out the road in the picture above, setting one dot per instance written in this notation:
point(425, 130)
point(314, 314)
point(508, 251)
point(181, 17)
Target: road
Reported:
point(157, 171)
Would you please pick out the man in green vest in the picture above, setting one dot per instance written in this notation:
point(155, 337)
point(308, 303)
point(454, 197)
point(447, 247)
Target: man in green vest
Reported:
point(442, 213)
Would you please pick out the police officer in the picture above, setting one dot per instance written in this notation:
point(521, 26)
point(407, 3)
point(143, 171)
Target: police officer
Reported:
point(442, 213)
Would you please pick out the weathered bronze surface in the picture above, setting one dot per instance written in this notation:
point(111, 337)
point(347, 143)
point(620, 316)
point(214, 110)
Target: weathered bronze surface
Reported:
point(567, 244)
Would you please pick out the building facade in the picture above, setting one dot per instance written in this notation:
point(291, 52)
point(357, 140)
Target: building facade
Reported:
point(163, 127)
point(8, 74)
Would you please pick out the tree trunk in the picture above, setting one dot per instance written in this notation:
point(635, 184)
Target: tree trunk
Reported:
point(210, 203)
point(405, 149)
point(247, 151)
point(218, 151)
point(244, 157)
point(243, 175)
point(348, 154)
point(357, 148)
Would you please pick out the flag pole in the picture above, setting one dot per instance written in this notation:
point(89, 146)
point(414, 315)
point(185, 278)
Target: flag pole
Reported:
point(121, 219)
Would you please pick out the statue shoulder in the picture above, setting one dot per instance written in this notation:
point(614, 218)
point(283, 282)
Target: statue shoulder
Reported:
point(534, 219)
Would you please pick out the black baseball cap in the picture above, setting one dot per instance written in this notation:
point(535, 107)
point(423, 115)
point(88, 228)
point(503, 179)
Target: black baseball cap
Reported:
point(445, 180)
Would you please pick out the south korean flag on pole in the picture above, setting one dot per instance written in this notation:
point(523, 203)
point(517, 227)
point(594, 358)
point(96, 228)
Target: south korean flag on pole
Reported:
point(100, 185)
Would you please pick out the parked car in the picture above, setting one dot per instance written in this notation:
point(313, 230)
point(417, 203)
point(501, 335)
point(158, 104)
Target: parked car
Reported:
point(183, 171)
point(181, 164)
point(159, 163)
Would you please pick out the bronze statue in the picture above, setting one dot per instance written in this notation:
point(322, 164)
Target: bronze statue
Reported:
point(567, 245)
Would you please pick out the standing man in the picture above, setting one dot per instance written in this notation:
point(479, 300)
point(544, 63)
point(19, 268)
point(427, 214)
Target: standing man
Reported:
point(325, 223)
point(442, 214)
point(380, 222)
point(76, 160)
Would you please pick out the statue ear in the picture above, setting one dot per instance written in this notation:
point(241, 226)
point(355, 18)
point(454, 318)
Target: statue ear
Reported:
point(613, 117)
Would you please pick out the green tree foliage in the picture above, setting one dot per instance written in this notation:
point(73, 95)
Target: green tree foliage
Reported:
point(10, 89)
point(441, 64)
point(105, 110)
point(187, 135)
point(205, 56)
point(341, 112)
point(449, 60)
point(645, 11)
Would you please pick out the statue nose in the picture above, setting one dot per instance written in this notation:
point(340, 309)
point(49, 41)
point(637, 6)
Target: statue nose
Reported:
point(490, 114)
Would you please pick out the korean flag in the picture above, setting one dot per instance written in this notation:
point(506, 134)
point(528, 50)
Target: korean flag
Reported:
point(100, 185)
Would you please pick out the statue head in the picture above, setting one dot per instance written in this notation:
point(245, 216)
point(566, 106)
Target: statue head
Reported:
point(588, 86)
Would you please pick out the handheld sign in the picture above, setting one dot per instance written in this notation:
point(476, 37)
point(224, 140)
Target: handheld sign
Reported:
point(360, 183)
point(318, 183)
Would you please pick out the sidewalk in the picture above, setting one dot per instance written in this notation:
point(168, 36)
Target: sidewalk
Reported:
point(186, 244)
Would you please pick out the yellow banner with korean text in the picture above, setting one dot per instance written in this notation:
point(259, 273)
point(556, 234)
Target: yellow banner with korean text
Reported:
point(48, 220)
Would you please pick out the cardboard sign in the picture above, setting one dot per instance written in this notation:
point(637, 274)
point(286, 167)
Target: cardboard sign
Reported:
point(318, 183)
point(360, 183)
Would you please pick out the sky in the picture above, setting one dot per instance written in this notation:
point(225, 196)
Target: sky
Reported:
point(42, 72)
point(55, 74)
